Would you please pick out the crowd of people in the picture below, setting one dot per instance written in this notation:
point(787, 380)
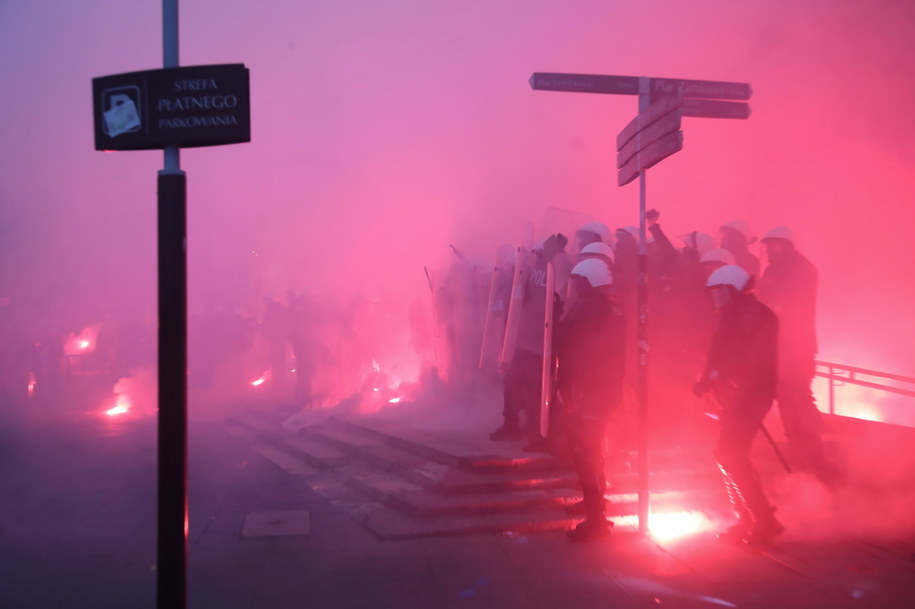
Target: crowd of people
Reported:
point(723, 328)
point(558, 323)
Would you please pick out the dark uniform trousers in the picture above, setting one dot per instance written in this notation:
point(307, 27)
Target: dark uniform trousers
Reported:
point(802, 420)
point(740, 420)
point(587, 426)
point(521, 391)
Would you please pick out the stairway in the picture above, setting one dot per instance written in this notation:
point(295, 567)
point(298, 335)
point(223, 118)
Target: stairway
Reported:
point(405, 483)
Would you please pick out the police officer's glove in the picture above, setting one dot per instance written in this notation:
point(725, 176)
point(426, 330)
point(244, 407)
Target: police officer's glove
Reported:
point(703, 386)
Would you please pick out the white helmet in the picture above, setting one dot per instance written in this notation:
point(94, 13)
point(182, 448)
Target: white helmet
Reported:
point(780, 232)
point(701, 241)
point(740, 226)
point(598, 248)
point(632, 231)
point(718, 254)
point(731, 275)
point(595, 271)
point(598, 228)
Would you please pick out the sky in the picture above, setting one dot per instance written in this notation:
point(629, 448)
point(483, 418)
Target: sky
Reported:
point(385, 131)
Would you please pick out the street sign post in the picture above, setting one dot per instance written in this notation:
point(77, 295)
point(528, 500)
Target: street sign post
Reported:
point(170, 109)
point(653, 135)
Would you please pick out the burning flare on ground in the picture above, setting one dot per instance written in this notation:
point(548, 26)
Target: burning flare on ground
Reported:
point(122, 405)
point(84, 342)
point(263, 379)
point(674, 525)
point(134, 394)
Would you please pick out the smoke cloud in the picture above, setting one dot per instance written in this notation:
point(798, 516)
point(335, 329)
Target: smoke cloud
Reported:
point(383, 133)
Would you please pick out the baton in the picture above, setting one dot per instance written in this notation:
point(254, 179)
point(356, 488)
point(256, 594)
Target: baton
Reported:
point(762, 428)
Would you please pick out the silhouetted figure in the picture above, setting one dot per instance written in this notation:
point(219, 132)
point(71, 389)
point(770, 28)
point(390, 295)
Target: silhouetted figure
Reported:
point(789, 287)
point(589, 346)
point(303, 319)
point(735, 237)
point(276, 331)
point(741, 372)
point(523, 378)
point(592, 232)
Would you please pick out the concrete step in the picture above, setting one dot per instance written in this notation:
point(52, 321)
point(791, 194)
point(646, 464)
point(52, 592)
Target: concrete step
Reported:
point(457, 480)
point(397, 491)
point(480, 455)
point(388, 523)
point(318, 453)
point(417, 502)
point(470, 452)
point(261, 423)
point(447, 478)
point(334, 444)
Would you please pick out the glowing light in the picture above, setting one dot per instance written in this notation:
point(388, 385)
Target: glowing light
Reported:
point(32, 383)
point(263, 379)
point(121, 406)
point(394, 400)
point(673, 525)
point(866, 412)
point(376, 389)
point(84, 342)
point(853, 401)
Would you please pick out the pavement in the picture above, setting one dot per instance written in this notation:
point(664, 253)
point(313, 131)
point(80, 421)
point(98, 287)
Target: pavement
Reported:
point(77, 528)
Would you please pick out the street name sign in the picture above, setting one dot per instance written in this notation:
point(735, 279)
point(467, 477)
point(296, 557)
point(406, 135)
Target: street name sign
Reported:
point(663, 106)
point(702, 89)
point(713, 108)
point(648, 135)
point(585, 83)
point(629, 85)
point(186, 107)
point(650, 156)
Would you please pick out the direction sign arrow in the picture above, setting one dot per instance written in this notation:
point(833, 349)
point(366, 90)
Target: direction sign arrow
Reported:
point(644, 138)
point(585, 83)
point(707, 89)
point(629, 85)
point(663, 106)
point(711, 108)
point(650, 156)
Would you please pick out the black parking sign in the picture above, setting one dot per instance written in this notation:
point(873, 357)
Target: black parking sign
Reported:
point(186, 107)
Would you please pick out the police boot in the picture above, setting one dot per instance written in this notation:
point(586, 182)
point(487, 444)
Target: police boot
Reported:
point(765, 529)
point(579, 508)
point(739, 531)
point(736, 533)
point(507, 432)
point(590, 528)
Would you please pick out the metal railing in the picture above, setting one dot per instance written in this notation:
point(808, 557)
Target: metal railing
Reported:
point(838, 375)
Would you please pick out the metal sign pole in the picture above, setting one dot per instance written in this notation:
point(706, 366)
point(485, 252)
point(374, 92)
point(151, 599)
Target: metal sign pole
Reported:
point(642, 337)
point(651, 137)
point(171, 574)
